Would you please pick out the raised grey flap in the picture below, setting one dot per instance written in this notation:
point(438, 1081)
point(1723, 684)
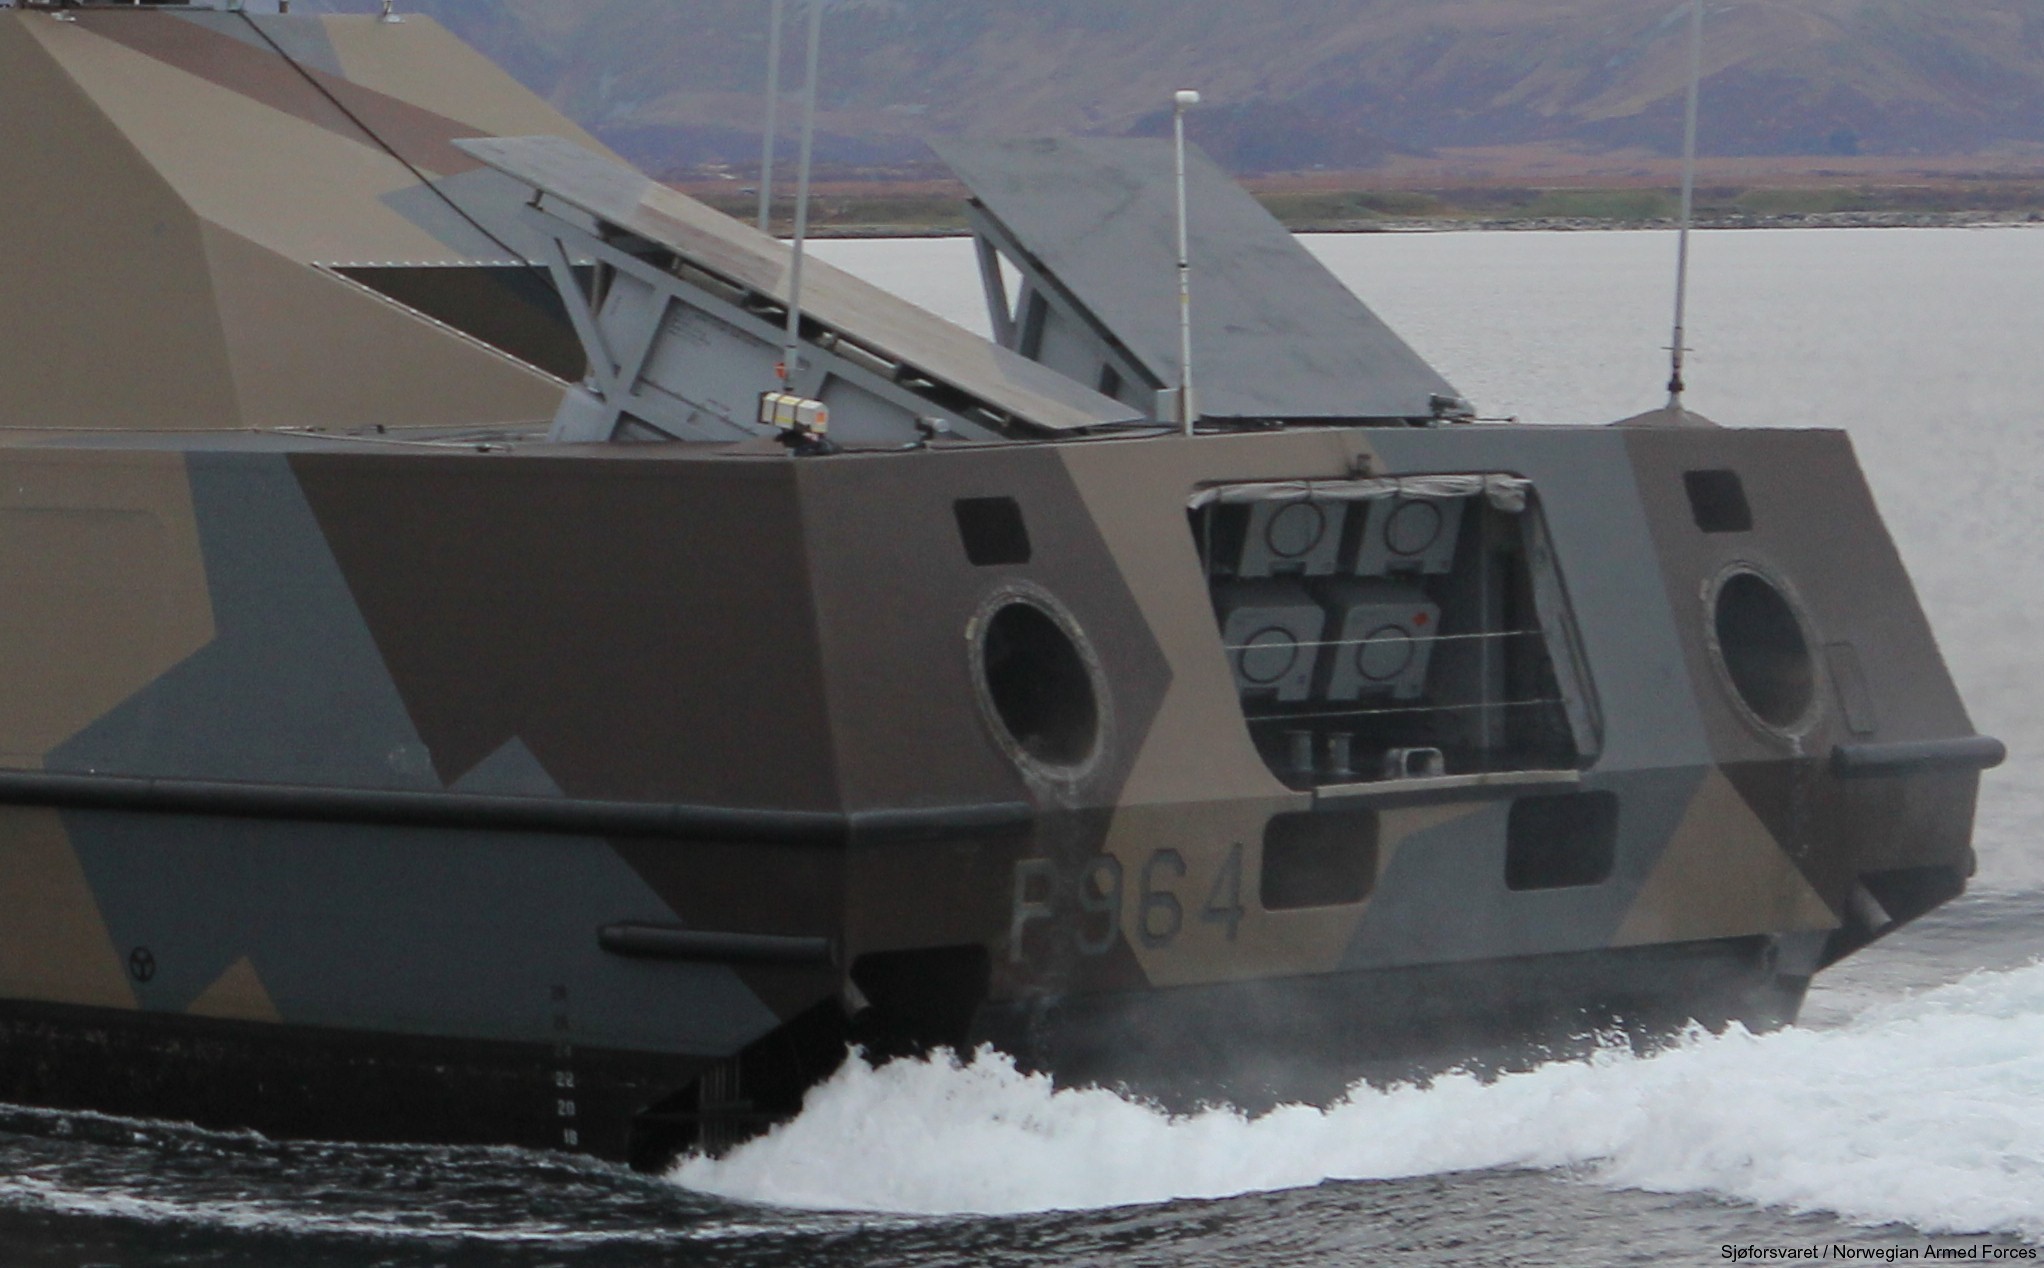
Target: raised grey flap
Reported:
point(1274, 334)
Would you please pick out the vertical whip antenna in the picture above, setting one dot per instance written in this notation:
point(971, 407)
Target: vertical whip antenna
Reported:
point(792, 343)
point(1181, 101)
point(388, 12)
point(1675, 348)
point(773, 101)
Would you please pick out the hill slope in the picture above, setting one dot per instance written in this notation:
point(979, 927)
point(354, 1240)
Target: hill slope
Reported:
point(1292, 83)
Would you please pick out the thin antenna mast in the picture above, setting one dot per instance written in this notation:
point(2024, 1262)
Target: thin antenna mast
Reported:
point(773, 101)
point(1675, 348)
point(1181, 101)
point(791, 345)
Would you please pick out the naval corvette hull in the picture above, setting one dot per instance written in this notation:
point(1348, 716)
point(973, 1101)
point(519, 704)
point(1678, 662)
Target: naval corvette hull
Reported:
point(445, 696)
point(1254, 1046)
point(569, 798)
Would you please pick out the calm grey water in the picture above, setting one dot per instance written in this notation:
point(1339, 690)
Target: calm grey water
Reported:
point(1908, 1110)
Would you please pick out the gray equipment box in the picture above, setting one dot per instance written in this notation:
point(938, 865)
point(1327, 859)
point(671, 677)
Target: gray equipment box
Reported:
point(1383, 641)
point(1408, 534)
point(1299, 536)
point(1273, 632)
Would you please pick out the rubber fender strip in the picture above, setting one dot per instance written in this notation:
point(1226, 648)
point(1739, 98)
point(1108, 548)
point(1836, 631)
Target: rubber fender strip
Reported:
point(567, 815)
point(669, 942)
point(1966, 752)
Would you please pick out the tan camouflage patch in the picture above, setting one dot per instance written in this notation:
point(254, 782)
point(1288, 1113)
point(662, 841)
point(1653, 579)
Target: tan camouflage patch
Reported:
point(1198, 747)
point(100, 561)
point(292, 185)
point(1400, 824)
point(83, 339)
point(1722, 876)
point(310, 350)
point(54, 943)
point(237, 994)
point(420, 62)
point(1198, 789)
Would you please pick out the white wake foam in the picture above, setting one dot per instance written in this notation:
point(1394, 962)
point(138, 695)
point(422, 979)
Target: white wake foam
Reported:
point(1928, 1111)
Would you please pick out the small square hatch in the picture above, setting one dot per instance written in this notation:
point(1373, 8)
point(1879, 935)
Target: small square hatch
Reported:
point(1717, 501)
point(992, 530)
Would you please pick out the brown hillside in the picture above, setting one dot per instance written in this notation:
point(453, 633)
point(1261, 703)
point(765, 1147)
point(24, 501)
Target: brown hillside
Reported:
point(1292, 84)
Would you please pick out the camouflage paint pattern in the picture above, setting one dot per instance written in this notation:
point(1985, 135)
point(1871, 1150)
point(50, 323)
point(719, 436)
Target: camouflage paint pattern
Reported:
point(729, 629)
point(229, 560)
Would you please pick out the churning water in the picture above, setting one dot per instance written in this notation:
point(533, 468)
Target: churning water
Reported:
point(1907, 1112)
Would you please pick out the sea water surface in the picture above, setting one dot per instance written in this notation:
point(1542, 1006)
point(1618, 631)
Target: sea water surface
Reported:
point(1906, 1112)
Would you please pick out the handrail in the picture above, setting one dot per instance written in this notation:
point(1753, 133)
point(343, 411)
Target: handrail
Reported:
point(643, 941)
point(573, 816)
point(1901, 757)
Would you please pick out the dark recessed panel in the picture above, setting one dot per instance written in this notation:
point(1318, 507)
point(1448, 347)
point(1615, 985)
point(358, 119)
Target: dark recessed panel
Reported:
point(1717, 501)
point(1560, 842)
point(993, 530)
point(1319, 859)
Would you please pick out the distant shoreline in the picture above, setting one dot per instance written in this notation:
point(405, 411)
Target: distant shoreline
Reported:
point(1538, 224)
point(937, 210)
point(927, 202)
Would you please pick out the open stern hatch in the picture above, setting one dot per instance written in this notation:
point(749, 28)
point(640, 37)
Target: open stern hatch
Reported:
point(1396, 627)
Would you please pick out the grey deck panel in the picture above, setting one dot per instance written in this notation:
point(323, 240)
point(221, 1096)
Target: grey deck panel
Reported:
point(936, 348)
point(1275, 335)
